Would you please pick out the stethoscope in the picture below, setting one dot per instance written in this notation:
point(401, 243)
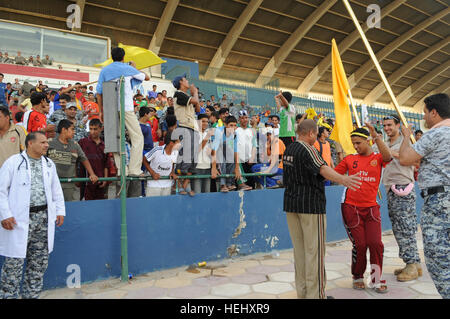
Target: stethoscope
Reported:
point(26, 162)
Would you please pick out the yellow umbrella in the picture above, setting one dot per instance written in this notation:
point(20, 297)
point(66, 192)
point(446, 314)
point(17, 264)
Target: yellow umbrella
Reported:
point(142, 57)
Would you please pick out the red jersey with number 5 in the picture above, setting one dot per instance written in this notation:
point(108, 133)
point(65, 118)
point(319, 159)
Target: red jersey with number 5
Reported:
point(369, 169)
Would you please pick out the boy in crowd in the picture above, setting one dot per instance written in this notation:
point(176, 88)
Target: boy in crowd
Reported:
point(159, 162)
point(144, 117)
point(287, 117)
point(65, 153)
point(204, 157)
point(223, 114)
point(360, 210)
point(79, 125)
point(214, 119)
point(246, 140)
point(225, 145)
point(275, 149)
point(91, 107)
point(94, 149)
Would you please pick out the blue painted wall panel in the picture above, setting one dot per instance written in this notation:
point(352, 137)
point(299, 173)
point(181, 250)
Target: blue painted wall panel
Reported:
point(166, 232)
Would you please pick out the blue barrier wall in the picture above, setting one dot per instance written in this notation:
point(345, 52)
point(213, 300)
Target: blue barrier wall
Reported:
point(167, 232)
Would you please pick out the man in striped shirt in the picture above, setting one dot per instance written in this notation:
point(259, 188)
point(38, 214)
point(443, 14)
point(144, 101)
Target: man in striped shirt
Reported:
point(304, 203)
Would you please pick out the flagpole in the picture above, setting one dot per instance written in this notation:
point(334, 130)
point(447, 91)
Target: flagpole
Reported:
point(358, 122)
point(377, 65)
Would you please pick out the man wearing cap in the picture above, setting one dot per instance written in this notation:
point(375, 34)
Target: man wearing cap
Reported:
point(79, 125)
point(401, 197)
point(133, 78)
point(188, 130)
point(433, 152)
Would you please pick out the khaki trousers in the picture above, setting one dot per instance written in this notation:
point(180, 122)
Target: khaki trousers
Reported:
point(308, 232)
point(137, 145)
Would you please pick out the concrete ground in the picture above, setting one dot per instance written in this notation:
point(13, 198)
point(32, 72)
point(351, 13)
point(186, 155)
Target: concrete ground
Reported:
point(258, 276)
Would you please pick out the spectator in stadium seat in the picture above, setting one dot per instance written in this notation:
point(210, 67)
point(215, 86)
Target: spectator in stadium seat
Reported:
point(12, 137)
point(16, 86)
point(91, 107)
point(51, 97)
point(144, 117)
point(140, 101)
point(94, 149)
point(153, 93)
point(169, 124)
point(60, 113)
point(224, 101)
point(47, 60)
point(1, 57)
point(275, 120)
point(322, 145)
point(204, 157)
point(65, 153)
point(418, 134)
point(214, 119)
point(38, 61)
point(246, 145)
point(234, 110)
point(223, 114)
point(36, 120)
point(20, 59)
point(30, 60)
point(209, 110)
point(7, 59)
point(91, 89)
point(275, 149)
point(160, 163)
point(3, 99)
point(79, 125)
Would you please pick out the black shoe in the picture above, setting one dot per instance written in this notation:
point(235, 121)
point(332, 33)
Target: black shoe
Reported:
point(330, 297)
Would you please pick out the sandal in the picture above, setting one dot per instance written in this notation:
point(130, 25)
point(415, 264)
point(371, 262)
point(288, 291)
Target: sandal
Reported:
point(191, 193)
point(358, 284)
point(224, 189)
point(182, 191)
point(231, 187)
point(244, 187)
point(381, 287)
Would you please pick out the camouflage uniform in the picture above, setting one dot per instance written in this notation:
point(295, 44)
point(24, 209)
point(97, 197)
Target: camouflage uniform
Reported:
point(402, 209)
point(80, 126)
point(434, 171)
point(402, 213)
point(37, 247)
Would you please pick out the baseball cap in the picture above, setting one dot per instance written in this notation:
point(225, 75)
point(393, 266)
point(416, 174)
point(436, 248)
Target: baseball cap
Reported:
point(176, 81)
point(243, 113)
point(71, 104)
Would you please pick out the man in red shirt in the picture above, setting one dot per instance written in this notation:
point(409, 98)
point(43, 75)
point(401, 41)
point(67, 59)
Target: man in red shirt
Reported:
point(360, 210)
point(91, 107)
point(36, 120)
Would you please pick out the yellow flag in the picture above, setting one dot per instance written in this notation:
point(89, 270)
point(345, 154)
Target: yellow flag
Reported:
point(142, 57)
point(311, 113)
point(343, 124)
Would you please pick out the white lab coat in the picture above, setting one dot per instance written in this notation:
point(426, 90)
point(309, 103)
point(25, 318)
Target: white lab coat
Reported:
point(15, 188)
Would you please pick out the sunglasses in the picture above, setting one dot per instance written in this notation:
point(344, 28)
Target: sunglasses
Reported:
point(391, 118)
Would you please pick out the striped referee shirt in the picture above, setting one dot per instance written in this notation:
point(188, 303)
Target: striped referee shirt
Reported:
point(304, 186)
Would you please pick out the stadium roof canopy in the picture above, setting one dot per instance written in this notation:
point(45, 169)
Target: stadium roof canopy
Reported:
point(287, 42)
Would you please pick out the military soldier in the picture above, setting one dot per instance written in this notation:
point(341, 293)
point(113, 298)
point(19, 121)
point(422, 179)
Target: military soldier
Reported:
point(401, 197)
point(7, 59)
point(47, 61)
point(433, 150)
point(20, 59)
